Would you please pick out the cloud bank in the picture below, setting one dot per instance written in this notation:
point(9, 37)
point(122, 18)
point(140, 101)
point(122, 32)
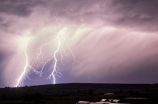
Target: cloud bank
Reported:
point(114, 41)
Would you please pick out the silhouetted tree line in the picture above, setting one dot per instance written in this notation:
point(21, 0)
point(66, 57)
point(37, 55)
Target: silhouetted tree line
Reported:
point(77, 91)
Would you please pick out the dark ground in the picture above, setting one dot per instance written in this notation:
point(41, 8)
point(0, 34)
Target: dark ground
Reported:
point(73, 92)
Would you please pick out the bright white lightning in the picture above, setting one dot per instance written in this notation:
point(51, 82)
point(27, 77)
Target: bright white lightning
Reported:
point(59, 46)
point(55, 58)
point(61, 42)
point(26, 65)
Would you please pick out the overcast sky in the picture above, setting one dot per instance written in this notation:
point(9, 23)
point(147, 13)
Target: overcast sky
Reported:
point(103, 41)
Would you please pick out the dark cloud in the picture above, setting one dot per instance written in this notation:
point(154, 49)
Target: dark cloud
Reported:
point(12, 7)
point(19, 7)
point(138, 14)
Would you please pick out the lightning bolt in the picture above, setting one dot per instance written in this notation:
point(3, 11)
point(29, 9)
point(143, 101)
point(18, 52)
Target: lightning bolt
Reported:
point(61, 41)
point(59, 47)
point(26, 65)
point(55, 58)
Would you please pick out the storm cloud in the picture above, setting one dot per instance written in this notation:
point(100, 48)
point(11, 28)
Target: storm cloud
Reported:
point(113, 41)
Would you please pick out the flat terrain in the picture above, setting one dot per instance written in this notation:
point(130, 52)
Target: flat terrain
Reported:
point(73, 92)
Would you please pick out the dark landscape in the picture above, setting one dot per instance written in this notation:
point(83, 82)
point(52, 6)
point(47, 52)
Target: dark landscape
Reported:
point(71, 93)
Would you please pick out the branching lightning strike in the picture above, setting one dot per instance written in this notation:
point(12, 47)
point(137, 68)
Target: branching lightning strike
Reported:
point(61, 41)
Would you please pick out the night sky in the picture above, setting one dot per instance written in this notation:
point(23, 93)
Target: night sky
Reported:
point(102, 41)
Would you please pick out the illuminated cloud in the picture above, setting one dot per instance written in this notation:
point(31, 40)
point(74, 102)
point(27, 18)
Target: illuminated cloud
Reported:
point(114, 41)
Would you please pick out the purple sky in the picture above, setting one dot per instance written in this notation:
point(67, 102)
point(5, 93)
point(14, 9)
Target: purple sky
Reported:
point(113, 41)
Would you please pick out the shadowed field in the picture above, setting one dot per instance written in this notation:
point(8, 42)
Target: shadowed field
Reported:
point(73, 92)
